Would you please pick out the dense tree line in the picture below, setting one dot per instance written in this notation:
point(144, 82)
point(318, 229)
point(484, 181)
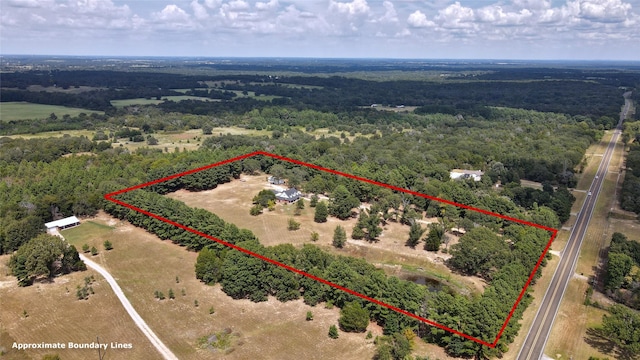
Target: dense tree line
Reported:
point(630, 193)
point(98, 79)
point(620, 282)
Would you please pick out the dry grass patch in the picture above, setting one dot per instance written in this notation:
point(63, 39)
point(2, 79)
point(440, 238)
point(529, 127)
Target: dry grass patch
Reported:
point(186, 140)
point(54, 314)
point(568, 338)
point(142, 264)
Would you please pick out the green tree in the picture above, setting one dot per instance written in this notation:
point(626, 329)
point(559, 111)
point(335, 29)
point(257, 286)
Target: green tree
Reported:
point(315, 236)
point(250, 166)
point(207, 129)
point(434, 237)
point(309, 316)
point(300, 204)
point(263, 198)
point(172, 295)
point(321, 212)
point(342, 201)
point(353, 318)
point(314, 200)
point(256, 210)
point(339, 237)
point(293, 225)
point(357, 233)
point(618, 266)
point(622, 326)
point(333, 332)
point(108, 245)
point(44, 256)
point(208, 266)
point(480, 251)
point(415, 233)
point(85, 248)
point(94, 251)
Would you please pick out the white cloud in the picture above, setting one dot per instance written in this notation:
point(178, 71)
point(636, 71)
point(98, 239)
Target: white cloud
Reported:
point(272, 4)
point(418, 19)
point(199, 10)
point(335, 24)
point(172, 16)
point(495, 14)
point(390, 13)
point(604, 10)
point(236, 5)
point(353, 8)
point(456, 16)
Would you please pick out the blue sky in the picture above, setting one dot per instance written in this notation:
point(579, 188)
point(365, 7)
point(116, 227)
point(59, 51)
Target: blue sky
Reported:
point(485, 29)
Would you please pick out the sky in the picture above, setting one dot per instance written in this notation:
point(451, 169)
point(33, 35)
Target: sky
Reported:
point(436, 29)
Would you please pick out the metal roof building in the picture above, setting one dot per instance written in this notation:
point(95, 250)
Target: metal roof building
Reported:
point(62, 224)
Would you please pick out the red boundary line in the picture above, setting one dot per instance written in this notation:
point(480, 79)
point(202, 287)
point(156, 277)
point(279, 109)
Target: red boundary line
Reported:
point(554, 232)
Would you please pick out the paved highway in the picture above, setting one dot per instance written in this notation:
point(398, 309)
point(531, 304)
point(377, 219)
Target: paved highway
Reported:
point(533, 347)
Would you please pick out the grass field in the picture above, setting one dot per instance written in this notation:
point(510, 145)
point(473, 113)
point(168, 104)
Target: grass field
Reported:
point(10, 111)
point(48, 134)
point(54, 314)
point(187, 140)
point(142, 264)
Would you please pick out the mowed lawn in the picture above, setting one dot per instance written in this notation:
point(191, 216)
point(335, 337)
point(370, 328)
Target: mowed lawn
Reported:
point(142, 264)
point(10, 111)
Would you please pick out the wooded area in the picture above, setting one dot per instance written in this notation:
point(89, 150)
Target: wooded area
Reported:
point(327, 121)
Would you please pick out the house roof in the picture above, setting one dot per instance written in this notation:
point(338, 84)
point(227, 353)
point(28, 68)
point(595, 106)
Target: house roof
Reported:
point(62, 222)
point(288, 194)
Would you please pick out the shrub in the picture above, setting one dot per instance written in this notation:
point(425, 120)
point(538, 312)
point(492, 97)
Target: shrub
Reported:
point(333, 332)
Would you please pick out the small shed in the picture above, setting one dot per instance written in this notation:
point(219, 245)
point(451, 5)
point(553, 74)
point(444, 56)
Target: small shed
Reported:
point(62, 224)
point(275, 181)
point(289, 195)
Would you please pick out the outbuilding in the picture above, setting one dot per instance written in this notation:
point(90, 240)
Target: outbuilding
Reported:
point(62, 224)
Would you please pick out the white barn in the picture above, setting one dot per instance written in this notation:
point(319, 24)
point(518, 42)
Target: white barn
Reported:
point(62, 224)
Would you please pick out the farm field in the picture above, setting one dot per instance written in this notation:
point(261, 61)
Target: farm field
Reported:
point(232, 202)
point(10, 111)
point(266, 330)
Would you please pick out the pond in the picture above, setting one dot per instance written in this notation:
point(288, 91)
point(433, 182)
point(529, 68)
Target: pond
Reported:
point(431, 284)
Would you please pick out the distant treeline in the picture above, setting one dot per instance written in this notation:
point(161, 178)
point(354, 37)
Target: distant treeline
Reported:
point(594, 98)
